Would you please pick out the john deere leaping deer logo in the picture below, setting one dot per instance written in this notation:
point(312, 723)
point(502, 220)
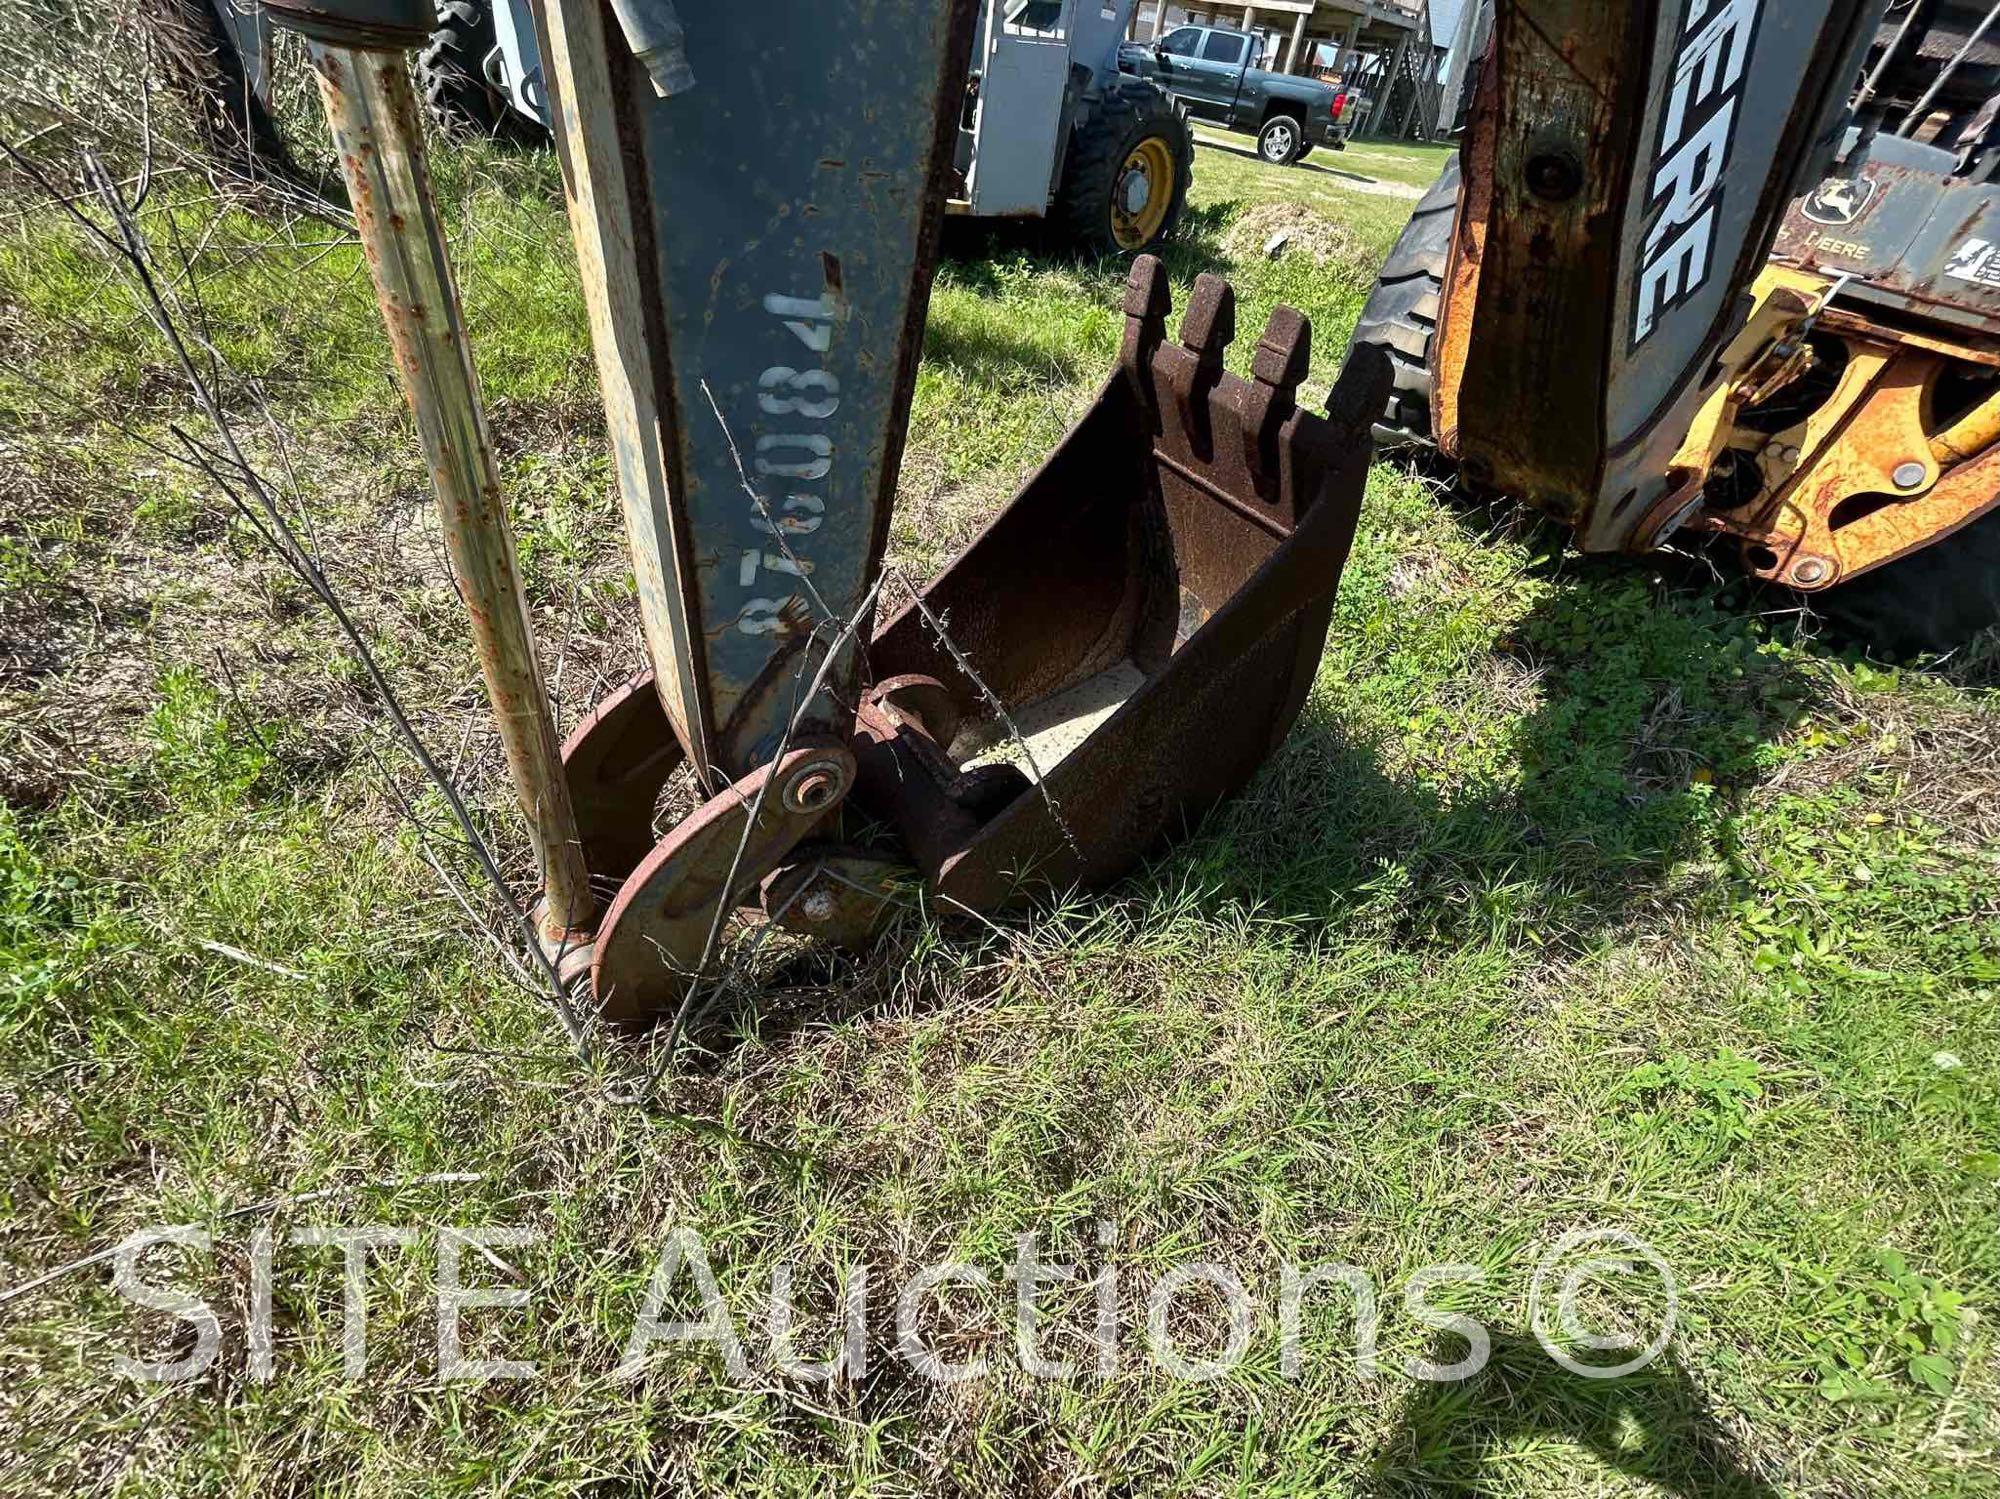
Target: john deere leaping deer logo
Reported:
point(1839, 201)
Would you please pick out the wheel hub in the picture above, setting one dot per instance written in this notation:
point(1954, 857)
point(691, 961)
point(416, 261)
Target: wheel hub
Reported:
point(1134, 189)
point(1142, 194)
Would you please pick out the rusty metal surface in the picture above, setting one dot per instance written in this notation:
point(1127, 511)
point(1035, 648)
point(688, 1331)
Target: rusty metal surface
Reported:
point(906, 776)
point(1919, 241)
point(1627, 168)
point(1184, 543)
point(617, 762)
point(373, 115)
point(1529, 316)
point(659, 930)
point(1858, 482)
point(763, 243)
point(1193, 525)
point(838, 894)
point(1458, 298)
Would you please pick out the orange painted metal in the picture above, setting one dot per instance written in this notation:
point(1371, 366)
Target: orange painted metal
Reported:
point(1458, 304)
point(1530, 311)
point(1859, 482)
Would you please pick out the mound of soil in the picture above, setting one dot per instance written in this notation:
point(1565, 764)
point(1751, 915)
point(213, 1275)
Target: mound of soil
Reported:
point(1298, 230)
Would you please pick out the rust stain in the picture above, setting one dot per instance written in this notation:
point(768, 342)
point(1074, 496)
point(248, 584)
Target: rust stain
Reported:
point(1830, 508)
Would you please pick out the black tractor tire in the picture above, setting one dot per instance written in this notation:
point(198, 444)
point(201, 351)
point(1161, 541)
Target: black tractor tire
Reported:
point(1400, 315)
point(1282, 141)
point(1932, 601)
point(451, 76)
point(1114, 124)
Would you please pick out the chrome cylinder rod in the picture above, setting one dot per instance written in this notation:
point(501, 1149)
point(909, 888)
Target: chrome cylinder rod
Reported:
point(372, 111)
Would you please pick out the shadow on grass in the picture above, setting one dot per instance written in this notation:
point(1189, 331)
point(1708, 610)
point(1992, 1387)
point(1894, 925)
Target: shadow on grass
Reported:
point(1653, 1425)
point(1647, 710)
point(981, 252)
point(1938, 608)
point(1620, 723)
point(1625, 719)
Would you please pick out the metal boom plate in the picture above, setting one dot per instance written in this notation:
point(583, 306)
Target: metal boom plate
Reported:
point(757, 254)
point(1626, 170)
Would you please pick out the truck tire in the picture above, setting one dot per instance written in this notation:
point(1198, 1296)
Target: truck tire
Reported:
point(1401, 314)
point(1282, 141)
point(1131, 159)
point(451, 76)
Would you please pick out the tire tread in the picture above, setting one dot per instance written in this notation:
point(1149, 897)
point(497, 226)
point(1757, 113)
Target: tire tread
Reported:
point(1112, 123)
point(1401, 313)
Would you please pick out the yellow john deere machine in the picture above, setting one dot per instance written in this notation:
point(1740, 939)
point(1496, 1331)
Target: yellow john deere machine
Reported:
point(1694, 269)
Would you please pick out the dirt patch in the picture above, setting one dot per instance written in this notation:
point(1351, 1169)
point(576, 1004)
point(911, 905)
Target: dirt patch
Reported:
point(1935, 758)
point(1273, 230)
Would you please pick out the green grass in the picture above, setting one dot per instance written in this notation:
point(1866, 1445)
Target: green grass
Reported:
point(1584, 893)
point(1413, 165)
point(1360, 165)
point(1341, 185)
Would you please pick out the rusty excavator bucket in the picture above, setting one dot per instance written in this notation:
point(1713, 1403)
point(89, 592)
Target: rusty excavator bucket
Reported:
point(1124, 645)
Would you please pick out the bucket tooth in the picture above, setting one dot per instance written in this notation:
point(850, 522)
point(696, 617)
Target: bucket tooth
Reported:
point(1281, 360)
point(1209, 326)
point(1148, 301)
point(1186, 374)
point(1284, 353)
point(1177, 557)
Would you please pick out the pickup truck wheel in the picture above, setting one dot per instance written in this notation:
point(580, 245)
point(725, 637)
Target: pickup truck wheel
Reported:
point(1131, 159)
point(451, 76)
point(1282, 140)
point(1304, 151)
point(1401, 313)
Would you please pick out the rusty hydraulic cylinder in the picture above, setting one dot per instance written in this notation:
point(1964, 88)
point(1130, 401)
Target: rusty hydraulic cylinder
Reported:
point(372, 112)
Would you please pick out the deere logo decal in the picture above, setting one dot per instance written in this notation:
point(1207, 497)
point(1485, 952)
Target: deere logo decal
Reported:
point(1839, 201)
point(1697, 129)
point(1977, 261)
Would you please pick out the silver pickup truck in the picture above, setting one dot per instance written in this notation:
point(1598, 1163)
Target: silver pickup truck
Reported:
point(1208, 69)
